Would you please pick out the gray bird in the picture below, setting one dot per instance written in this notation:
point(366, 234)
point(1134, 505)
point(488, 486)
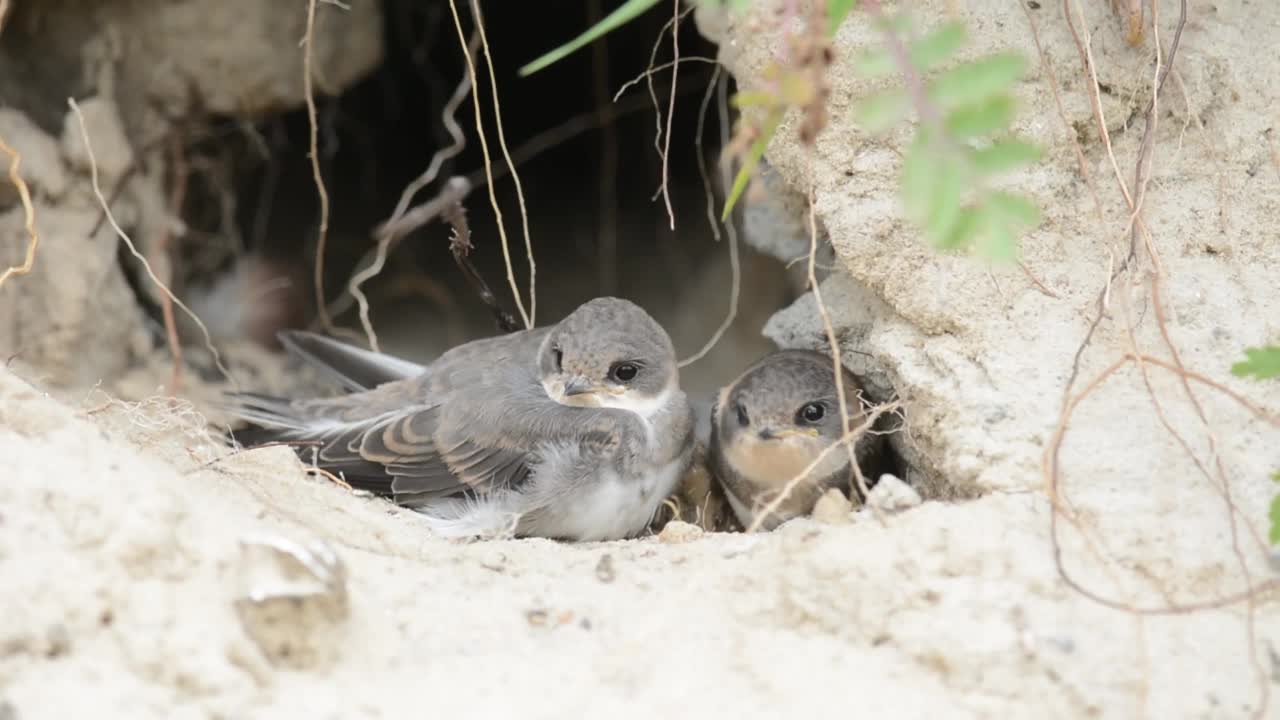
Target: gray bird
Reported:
point(574, 431)
point(773, 422)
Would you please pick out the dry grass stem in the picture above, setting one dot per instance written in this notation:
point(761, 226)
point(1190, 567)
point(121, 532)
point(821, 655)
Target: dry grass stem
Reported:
point(177, 196)
point(308, 51)
point(511, 167)
point(1140, 236)
point(488, 168)
point(28, 210)
point(1055, 88)
point(671, 110)
point(387, 231)
point(607, 225)
point(735, 266)
point(133, 250)
point(317, 470)
point(649, 72)
point(453, 192)
point(673, 25)
point(837, 365)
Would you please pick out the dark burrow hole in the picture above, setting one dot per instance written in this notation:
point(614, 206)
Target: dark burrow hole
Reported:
point(380, 134)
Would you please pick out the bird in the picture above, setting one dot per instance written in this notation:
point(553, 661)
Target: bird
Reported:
point(773, 422)
point(573, 431)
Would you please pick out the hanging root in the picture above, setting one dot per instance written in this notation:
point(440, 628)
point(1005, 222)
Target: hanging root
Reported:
point(24, 194)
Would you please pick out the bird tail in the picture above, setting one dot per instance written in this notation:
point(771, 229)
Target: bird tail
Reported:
point(356, 369)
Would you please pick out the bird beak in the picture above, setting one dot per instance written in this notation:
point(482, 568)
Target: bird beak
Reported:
point(771, 434)
point(577, 386)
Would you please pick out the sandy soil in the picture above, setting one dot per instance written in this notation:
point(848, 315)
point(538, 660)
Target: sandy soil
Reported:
point(123, 533)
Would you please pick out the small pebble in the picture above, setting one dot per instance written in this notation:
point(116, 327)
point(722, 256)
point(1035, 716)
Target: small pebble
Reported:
point(59, 641)
point(891, 493)
point(832, 508)
point(678, 531)
point(604, 569)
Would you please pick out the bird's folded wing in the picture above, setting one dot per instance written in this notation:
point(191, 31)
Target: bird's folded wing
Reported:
point(396, 454)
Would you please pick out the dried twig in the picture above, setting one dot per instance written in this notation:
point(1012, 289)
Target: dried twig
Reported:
point(177, 196)
point(674, 25)
point(671, 108)
point(718, 81)
point(1062, 113)
point(133, 250)
point(649, 72)
point(527, 151)
point(453, 192)
point(308, 42)
point(460, 247)
point(1140, 234)
point(607, 231)
point(837, 369)
point(515, 176)
point(29, 213)
point(427, 211)
point(488, 164)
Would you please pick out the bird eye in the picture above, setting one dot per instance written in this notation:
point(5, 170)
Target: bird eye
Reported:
point(811, 413)
point(624, 372)
point(743, 420)
point(558, 354)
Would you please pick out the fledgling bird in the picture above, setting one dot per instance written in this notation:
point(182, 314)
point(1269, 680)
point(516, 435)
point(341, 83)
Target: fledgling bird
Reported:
point(574, 431)
point(776, 419)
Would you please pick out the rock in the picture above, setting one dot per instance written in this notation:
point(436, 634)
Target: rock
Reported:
point(832, 508)
point(166, 59)
point(678, 531)
point(41, 167)
point(292, 599)
point(891, 493)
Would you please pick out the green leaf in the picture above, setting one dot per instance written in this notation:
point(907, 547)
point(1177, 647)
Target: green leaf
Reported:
point(881, 110)
point(749, 165)
point(948, 187)
point(1262, 363)
point(837, 10)
point(1004, 155)
point(933, 179)
point(918, 167)
point(874, 63)
point(967, 225)
point(1001, 217)
point(975, 81)
point(982, 118)
point(1275, 520)
point(1014, 209)
point(997, 241)
point(938, 46)
point(625, 13)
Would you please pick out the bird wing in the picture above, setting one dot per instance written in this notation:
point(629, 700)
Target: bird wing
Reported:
point(356, 369)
